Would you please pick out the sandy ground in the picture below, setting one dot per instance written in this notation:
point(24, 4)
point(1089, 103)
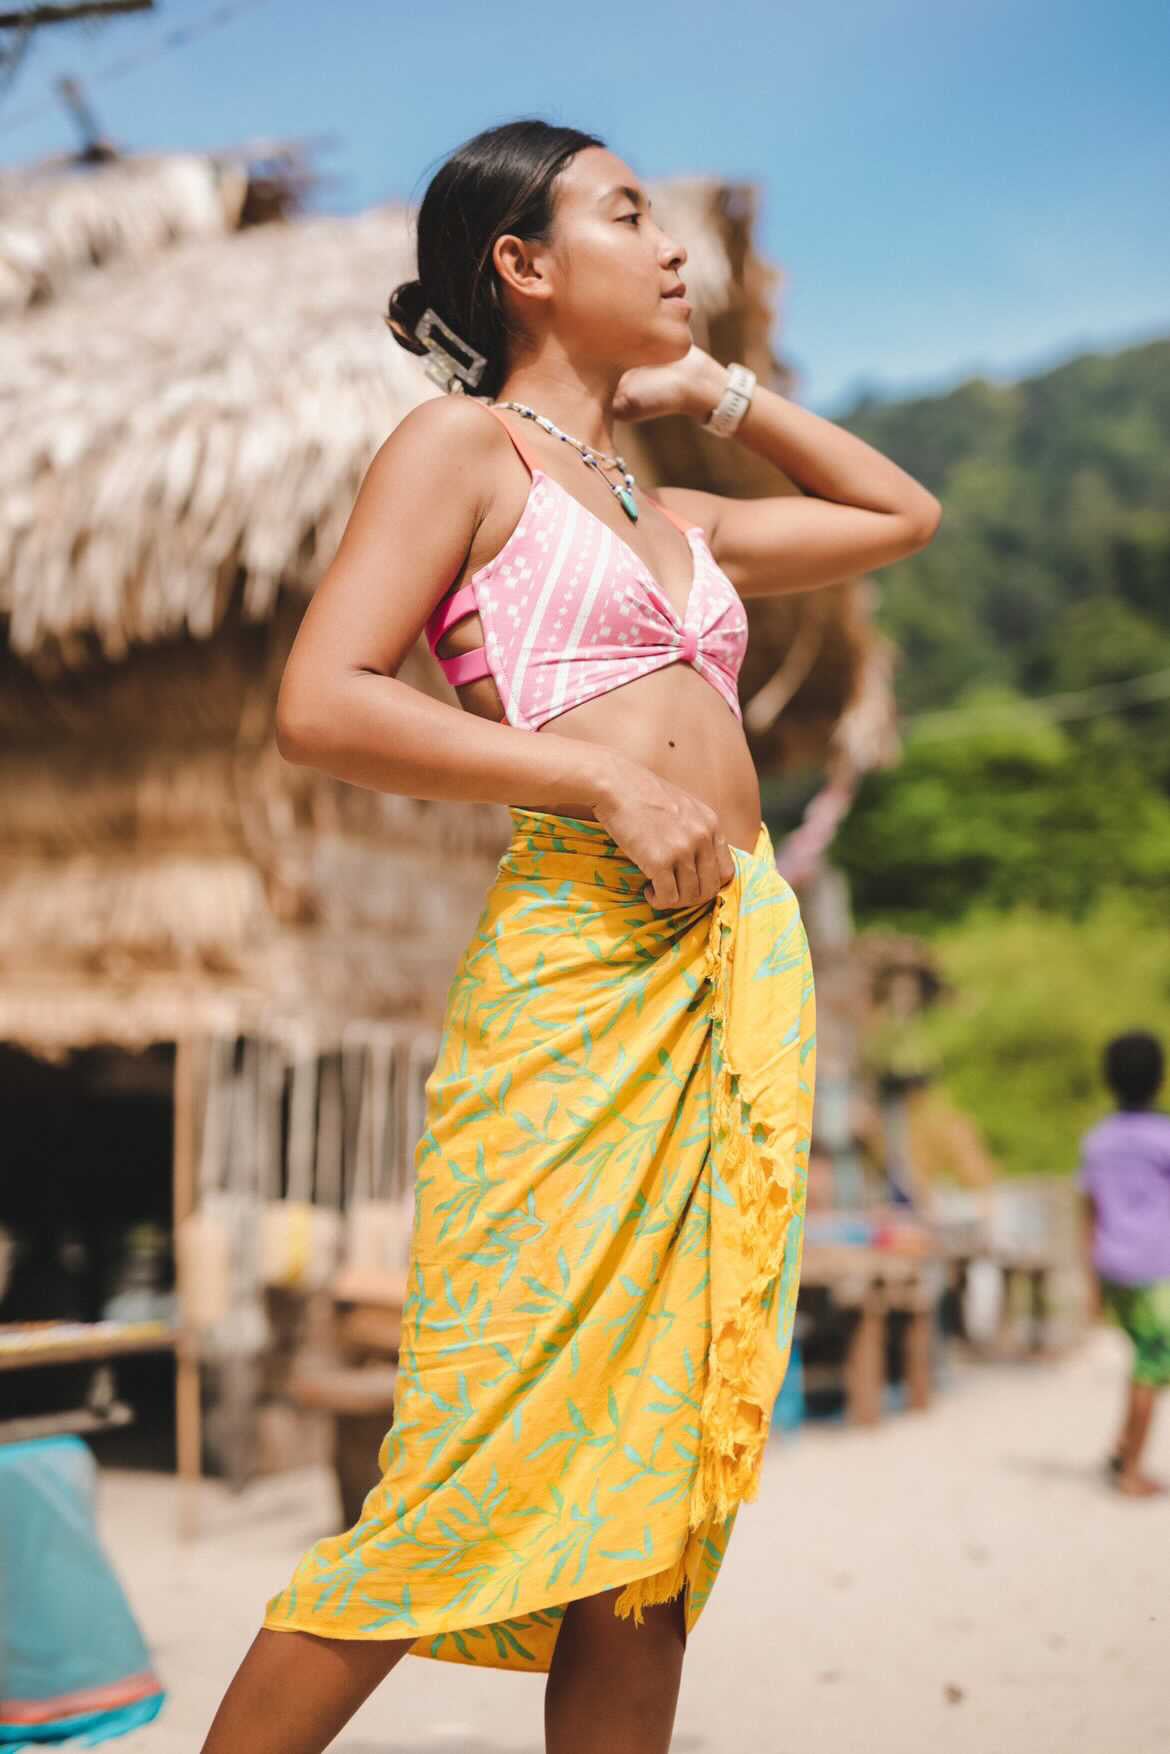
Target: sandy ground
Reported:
point(953, 1581)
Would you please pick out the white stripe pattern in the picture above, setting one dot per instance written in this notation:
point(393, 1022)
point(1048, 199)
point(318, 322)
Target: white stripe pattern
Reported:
point(548, 591)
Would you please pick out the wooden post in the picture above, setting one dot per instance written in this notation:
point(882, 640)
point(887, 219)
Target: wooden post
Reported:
point(865, 1362)
point(188, 1421)
point(1005, 1334)
point(917, 1360)
point(1038, 1278)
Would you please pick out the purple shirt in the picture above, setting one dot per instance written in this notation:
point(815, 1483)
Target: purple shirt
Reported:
point(1125, 1166)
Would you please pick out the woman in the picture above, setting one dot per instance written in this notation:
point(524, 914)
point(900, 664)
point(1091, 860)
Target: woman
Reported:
point(610, 1182)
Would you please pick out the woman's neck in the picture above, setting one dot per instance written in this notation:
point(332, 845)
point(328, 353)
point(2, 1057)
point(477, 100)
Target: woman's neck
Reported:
point(582, 410)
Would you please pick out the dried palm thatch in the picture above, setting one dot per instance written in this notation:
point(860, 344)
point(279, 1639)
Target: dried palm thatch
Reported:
point(57, 224)
point(232, 389)
point(162, 870)
point(188, 402)
point(192, 418)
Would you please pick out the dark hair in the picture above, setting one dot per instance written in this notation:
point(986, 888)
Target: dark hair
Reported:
point(500, 181)
point(1134, 1068)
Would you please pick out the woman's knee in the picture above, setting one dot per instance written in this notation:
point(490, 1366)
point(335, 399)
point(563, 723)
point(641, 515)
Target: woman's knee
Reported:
point(662, 1622)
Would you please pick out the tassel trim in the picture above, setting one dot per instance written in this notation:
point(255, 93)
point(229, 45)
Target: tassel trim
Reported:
point(753, 1132)
point(752, 1124)
point(644, 1592)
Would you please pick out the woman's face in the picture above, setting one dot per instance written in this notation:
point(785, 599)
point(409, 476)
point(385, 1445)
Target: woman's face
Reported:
point(606, 271)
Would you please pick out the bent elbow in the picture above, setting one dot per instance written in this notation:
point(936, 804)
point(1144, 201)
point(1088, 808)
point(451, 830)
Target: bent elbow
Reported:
point(297, 739)
point(927, 519)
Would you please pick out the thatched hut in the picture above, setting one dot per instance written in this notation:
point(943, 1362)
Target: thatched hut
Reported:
point(193, 379)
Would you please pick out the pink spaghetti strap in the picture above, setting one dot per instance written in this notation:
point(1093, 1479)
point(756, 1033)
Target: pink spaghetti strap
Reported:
point(533, 466)
point(548, 599)
point(666, 511)
point(523, 449)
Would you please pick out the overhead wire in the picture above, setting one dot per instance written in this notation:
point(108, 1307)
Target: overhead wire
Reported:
point(175, 37)
point(1080, 703)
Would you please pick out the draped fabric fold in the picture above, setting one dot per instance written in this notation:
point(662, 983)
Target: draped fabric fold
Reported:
point(605, 1257)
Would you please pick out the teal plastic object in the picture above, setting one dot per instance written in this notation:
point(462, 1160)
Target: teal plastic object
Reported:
point(788, 1411)
point(74, 1668)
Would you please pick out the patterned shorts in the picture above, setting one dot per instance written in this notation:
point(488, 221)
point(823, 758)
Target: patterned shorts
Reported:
point(1144, 1312)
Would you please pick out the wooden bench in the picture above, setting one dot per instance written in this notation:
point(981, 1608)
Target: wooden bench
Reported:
point(1020, 1268)
point(1029, 1227)
point(32, 1344)
point(359, 1399)
point(355, 1384)
point(873, 1284)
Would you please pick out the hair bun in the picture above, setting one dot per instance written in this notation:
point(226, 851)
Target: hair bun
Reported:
point(407, 304)
point(501, 182)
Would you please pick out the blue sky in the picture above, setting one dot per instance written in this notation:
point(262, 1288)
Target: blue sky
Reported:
point(948, 187)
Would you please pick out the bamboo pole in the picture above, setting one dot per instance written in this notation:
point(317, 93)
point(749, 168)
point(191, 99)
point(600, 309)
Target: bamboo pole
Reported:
point(34, 17)
point(188, 1433)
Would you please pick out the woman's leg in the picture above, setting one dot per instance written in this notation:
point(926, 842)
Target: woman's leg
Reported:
point(613, 1686)
point(294, 1691)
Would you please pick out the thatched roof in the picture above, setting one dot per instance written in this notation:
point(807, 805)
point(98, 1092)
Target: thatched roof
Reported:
point(192, 383)
point(187, 408)
point(203, 407)
point(58, 222)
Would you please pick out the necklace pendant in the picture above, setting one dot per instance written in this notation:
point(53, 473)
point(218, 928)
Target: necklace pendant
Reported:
point(628, 503)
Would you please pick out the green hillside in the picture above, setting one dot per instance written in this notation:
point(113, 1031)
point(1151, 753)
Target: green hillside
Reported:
point(1030, 839)
point(1050, 574)
point(1052, 568)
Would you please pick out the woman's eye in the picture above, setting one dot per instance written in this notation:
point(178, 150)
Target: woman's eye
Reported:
point(634, 216)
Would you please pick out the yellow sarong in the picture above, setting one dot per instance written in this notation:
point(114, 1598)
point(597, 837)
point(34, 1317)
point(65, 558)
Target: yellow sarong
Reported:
point(608, 1228)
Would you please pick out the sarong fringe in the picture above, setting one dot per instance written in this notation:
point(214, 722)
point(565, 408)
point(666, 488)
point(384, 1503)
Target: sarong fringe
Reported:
point(757, 1165)
point(644, 1592)
point(752, 1125)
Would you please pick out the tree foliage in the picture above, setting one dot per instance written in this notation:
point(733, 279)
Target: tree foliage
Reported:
point(1030, 839)
point(1036, 998)
point(1055, 492)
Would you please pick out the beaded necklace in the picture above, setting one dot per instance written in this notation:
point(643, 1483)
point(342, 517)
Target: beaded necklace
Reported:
point(599, 460)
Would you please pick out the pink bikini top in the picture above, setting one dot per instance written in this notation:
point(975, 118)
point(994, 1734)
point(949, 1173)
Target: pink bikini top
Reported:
point(569, 611)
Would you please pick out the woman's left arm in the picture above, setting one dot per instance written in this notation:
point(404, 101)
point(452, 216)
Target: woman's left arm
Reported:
point(855, 510)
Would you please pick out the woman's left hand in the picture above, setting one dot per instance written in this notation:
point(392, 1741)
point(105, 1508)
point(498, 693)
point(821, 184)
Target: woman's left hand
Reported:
point(691, 385)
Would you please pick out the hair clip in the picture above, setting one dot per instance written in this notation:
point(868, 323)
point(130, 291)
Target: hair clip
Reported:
point(442, 367)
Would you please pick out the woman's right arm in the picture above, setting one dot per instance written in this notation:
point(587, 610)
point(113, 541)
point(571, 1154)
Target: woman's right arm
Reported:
point(341, 708)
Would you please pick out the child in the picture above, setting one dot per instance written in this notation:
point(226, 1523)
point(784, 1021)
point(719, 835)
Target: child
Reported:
point(1125, 1176)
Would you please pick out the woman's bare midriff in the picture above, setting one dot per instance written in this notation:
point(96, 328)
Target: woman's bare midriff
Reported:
point(673, 722)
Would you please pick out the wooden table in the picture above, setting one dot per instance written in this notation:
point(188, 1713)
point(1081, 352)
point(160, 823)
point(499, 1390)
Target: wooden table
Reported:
point(354, 1385)
point(874, 1282)
point(26, 1345)
point(1031, 1267)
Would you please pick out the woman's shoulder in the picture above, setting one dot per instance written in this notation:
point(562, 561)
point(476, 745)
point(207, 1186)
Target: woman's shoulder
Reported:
point(442, 447)
point(446, 420)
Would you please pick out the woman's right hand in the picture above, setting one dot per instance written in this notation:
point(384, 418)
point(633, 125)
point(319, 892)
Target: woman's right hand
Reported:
point(669, 834)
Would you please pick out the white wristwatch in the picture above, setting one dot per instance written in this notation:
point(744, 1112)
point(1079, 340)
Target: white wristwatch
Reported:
point(734, 403)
